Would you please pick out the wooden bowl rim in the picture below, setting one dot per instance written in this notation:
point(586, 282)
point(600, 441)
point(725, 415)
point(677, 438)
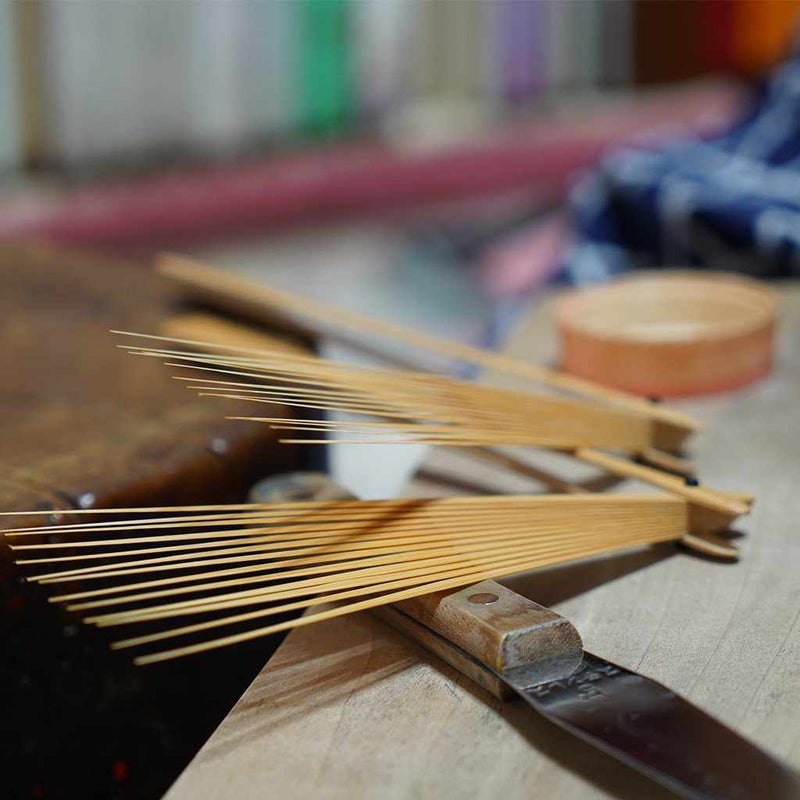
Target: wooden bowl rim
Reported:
point(762, 301)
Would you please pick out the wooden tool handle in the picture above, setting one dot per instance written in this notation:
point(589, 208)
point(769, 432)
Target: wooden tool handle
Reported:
point(497, 626)
point(489, 626)
point(445, 650)
point(480, 630)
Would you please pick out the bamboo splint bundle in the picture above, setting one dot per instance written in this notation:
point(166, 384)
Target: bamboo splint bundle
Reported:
point(418, 407)
point(270, 305)
point(441, 411)
point(232, 566)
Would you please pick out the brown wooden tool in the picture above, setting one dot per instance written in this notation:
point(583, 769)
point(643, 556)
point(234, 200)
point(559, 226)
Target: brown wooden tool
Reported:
point(488, 624)
point(512, 646)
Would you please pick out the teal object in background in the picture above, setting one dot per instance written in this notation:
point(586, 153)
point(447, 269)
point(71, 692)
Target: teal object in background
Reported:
point(326, 69)
point(10, 145)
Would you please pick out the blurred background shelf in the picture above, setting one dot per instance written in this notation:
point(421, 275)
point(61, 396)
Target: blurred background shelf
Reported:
point(92, 85)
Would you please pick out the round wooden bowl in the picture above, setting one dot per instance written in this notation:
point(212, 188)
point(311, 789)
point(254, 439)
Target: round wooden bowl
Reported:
point(669, 333)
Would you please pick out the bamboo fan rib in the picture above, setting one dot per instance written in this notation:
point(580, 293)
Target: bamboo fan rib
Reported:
point(222, 572)
point(422, 408)
point(268, 304)
point(415, 407)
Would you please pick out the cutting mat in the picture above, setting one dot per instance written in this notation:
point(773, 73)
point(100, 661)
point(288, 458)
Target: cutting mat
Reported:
point(349, 709)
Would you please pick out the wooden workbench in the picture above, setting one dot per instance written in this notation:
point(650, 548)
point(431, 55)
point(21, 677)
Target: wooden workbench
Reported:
point(349, 709)
point(83, 425)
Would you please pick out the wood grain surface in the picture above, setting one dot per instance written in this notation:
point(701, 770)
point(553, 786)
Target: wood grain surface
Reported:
point(84, 424)
point(349, 709)
point(81, 419)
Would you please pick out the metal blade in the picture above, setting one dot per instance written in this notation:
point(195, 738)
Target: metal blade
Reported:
point(653, 730)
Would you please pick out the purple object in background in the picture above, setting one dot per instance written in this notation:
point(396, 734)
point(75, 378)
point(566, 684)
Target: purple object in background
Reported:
point(521, 47)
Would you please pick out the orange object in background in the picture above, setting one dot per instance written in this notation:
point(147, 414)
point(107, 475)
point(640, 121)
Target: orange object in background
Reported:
point(741, 37)
point(763, 32)
point(669, 333)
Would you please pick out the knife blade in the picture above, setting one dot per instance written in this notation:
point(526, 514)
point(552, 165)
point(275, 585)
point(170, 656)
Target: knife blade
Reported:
point(515, 647)
point(652, 729)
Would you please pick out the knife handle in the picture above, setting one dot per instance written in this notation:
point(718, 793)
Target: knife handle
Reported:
point(486, 629)
point(481, 630)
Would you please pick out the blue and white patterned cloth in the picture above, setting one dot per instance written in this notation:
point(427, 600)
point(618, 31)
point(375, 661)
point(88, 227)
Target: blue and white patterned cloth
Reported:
point(730, 202)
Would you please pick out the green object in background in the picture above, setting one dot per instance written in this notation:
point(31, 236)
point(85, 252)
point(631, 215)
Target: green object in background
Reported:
point(325, 64)
point(10, 154)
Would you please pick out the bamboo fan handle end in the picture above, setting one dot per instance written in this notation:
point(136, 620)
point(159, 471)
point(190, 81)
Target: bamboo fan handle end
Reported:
point(709, 544)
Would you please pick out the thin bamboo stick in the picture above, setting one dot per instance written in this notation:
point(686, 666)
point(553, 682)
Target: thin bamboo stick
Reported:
point(513, 557)
point(394, 593)
point(282, 533)
point(316, 552)
point(499, 419)
point(362, 575)
point(431, 556)
point(284, 547)
point(256, 553)
point(230, 289)
point(463, 405)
